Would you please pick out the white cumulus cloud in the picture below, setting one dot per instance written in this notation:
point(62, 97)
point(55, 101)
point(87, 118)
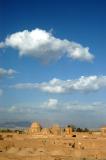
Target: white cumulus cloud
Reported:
point(43, 45)
point(2, 44)
point(50, 104)
point(7, 72)
point(83, 84)
point(53, 104)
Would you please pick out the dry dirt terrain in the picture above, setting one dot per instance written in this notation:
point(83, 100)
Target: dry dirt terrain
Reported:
point(15, 146)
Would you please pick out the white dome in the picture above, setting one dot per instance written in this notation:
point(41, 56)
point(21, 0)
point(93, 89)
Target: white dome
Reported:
point(35, 125)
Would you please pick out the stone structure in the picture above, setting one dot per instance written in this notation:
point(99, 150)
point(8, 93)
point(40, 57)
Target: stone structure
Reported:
point(103, 130)
point(35, 128)
point(68, 131)
point(45, 131)
point(56, 130)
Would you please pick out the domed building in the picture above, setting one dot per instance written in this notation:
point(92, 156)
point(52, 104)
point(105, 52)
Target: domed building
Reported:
point(35, 128)
point(56, 129)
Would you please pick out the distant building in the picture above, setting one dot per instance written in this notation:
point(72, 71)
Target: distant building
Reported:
point(68, 131)
point(56, 129)
point(103, 130)
point(45, 131)
point(35, 128)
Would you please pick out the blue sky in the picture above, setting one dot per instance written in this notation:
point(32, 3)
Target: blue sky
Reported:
point(41, 75)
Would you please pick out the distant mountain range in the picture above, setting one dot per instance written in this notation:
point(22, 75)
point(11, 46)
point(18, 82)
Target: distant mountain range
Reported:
point(18, 124)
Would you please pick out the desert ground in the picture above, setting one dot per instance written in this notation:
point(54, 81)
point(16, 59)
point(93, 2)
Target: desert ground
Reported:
point(85, 146)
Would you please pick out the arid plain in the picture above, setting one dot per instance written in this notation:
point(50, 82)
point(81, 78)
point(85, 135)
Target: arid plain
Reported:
point(53, 144)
